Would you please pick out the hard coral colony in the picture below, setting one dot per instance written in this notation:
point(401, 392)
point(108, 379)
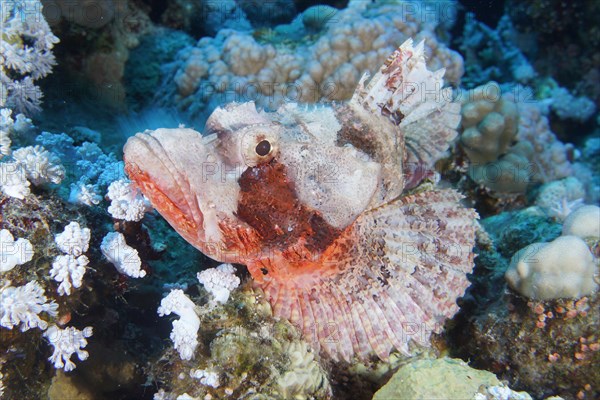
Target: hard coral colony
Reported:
point(315, 202)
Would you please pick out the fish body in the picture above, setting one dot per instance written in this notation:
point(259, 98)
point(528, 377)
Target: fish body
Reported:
point(313, 200)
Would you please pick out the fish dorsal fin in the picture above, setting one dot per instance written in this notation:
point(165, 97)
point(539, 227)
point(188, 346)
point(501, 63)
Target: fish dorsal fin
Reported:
point(414, 99)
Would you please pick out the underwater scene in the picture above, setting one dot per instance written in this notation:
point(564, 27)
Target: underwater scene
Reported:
point(294, 199)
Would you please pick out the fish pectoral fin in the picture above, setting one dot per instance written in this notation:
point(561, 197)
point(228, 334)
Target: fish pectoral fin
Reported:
point(387, 282)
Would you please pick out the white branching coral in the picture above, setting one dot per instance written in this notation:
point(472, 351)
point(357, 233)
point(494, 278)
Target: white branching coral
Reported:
point(69, 271)
point(185, 329)
point(21, 305)
point(83, 193)
point(13, 175)
point(40, 165)
point(125, 258)
point(66, 342)
point(25, 54)
point(220, 281)
point(74, 240)
point(127, 202)
point(6, 122)
point(13, 252)
point(13, 180)
point(20, 125)
point(4, 143)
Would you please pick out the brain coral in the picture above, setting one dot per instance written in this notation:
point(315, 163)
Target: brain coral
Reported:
point(238, 66)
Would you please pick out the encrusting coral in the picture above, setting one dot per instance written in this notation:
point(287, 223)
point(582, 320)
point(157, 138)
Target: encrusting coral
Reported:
point(543, 347)
point(444, 378)
point(557, 199)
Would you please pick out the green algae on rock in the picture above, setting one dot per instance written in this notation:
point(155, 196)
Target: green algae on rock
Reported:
point(444, 378)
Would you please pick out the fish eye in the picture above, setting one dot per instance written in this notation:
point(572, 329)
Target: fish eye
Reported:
point(263, 148)
point(258, 144)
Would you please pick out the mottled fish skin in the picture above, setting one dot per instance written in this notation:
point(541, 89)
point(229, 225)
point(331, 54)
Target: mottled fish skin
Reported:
point(312, 200)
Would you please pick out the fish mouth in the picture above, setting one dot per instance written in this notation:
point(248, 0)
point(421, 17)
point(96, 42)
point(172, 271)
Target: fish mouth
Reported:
point(160, 163)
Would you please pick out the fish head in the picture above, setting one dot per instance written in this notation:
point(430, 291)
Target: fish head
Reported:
point(256, 183)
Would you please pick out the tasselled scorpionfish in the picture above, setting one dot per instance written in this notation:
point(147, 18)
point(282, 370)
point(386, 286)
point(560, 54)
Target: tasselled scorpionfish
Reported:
point(313, 201)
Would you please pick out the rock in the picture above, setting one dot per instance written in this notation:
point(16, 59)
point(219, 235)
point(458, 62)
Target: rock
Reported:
point(444, 378)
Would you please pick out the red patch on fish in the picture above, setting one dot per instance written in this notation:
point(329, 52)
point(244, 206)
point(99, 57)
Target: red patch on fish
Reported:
point(268, 202)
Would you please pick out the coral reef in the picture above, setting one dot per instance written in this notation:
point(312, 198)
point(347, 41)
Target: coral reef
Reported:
point(68, 269)
point(525, 341)
point(99, 37)
point(219, 281)
point(557, 199)
point(550, 156)
point(22, 305)
point(142, 74)
point(508, 140)
point(489, 123)
point(552, 27)
point(237, 66)
point(567, 106)
point(39, 165)
point(126, 201)
point(13, 180)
